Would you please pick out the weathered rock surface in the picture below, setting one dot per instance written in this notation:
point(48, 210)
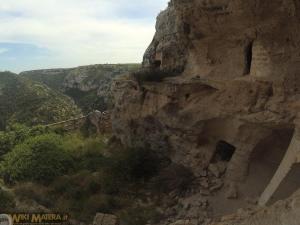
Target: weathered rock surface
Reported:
point(95, 77)
point(283, 212)
point(105, 219)
point(237, 84)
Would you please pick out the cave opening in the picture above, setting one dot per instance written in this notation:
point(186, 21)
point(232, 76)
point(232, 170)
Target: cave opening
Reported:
point(248, 58)
point(266, 158)
point(186, 28)
point(224, 151)
point(187, 96)
point(157, 63)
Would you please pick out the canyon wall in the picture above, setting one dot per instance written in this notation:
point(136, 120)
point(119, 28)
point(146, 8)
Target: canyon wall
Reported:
point(236, 86)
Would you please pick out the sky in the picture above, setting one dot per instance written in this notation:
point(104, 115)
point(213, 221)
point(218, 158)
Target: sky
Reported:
point(40, 34)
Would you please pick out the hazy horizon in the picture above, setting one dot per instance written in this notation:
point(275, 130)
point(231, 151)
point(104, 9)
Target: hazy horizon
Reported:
point(68, 33)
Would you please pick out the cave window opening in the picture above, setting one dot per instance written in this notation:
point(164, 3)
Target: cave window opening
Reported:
point(157, 63)
point(186, 28)
point(187, 96)
point(248, 58)
point(224, 151)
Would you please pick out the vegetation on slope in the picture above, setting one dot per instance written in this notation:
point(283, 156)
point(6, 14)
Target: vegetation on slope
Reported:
point(89, 86)
point(88, 101)
point(75, 172)
point(53, 78)
point(28, 102)
point(71, 173)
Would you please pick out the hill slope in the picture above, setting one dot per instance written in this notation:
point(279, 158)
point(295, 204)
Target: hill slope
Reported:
point(28, 102)
point(89, 86)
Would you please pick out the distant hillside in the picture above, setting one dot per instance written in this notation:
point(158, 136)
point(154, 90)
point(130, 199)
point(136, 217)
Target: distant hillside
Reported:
point(25, 101)
point(89, 86)
point(53, 78)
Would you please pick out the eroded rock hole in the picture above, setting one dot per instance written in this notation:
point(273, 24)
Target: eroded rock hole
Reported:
point(157, 63)
point(187, 96)
point(224, 151)
point(186, 28)
point(248, 58)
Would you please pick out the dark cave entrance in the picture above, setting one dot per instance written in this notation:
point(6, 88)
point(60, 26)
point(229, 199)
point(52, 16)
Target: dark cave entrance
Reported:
point(248, 58)
point(186, 28)
point(157, 63)
point(224, 151)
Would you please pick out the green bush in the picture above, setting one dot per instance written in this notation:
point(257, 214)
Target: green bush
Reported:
point(87, 152)
point(7, 201)
point(16, 134)
point(7, 141)
point(41, 158)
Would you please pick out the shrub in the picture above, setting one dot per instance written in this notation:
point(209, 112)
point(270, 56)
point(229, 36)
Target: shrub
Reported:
point(135, 164)
point(16, 134)
point(87, 152)
point(79, 185)
point(30, 191)
point(174, 177)
point(6, 142)
point(7, 201)
point(41, 158)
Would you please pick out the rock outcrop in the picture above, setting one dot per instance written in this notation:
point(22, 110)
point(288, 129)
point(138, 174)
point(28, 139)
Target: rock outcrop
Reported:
point(235, 97)
point(105, 219)
point(283, 212)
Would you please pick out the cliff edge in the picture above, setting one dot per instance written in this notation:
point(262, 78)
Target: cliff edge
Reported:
point(220, 86)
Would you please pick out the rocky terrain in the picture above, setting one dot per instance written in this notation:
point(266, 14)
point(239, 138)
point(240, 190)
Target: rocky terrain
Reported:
point(89, 86)
point(31, 103)
point(219, 95)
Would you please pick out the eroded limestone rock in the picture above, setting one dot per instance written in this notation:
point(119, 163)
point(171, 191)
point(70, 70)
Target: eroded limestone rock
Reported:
point(236, 63)
point(105, 219)
point(283, 212)
point(237, 81)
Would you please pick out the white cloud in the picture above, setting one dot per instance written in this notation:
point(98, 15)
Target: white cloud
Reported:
point(82, 31)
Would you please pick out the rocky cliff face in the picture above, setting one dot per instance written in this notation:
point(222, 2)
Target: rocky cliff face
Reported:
point(235, 97)
point(96, 77)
